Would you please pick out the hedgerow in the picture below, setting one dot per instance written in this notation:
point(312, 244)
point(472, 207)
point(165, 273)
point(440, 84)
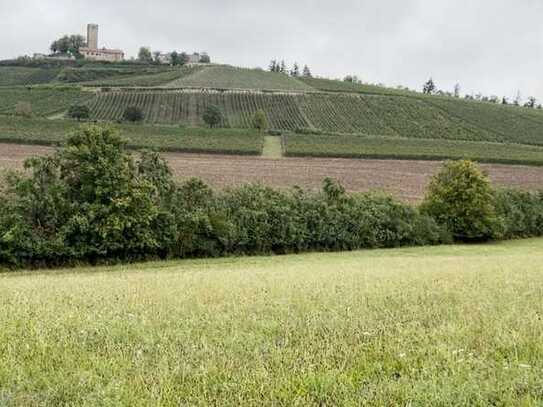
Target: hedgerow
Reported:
point(93, 201)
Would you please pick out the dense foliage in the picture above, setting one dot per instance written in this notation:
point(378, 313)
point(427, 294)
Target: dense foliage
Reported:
point(133, 114)
point(461, 198)
point(79, 112)
point(93, 201)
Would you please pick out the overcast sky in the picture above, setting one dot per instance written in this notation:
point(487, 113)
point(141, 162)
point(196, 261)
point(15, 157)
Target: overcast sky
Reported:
point(488, 46)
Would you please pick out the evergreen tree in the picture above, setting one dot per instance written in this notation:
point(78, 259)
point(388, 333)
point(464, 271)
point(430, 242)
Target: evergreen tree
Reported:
point(307, 72)
point(283, 67)
point(273, 65)
point(429, 87)
point(295, 72)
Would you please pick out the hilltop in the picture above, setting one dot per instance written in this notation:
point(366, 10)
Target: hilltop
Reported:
point(315, 116)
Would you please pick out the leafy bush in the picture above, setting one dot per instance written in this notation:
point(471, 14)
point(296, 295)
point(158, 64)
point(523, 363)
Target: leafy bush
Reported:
point(133, 114)
point(79, 112)
point(461, 199)
point(213, 116)
point(522, 213)
point(260, 121)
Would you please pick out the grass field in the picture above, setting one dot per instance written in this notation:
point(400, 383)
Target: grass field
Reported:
point(14, 76)
point(349, 146)
point(456, 325)
point(162, 138)
point(43, 101)
point(229, 77)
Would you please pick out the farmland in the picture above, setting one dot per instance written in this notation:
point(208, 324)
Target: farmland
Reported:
point(164, 138)
point(427, 326)
point(405, 179)
point(14, 76)
point(188, 107)
point(404, 148)
point(227, 77)
point(44, 101)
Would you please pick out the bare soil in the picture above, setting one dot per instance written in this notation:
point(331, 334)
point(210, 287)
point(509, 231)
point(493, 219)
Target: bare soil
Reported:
point(404, 179)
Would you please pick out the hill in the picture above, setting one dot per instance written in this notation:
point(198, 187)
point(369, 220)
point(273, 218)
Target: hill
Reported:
point(330, 114)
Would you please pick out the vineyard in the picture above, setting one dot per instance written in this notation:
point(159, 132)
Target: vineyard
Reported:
point(15, 76)
point(43, 101)
point(228, 77)
point(330, 85)
point(187, 107)
point(157, 77)
point(403, 148)
point(162, 138)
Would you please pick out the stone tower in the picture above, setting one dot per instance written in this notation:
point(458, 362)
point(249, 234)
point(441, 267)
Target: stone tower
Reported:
point(92, 36)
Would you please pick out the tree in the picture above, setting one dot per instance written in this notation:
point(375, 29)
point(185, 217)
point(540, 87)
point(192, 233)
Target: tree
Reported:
point(69, 45)
point(204, 58)
point(156, 56)
point(184, 58)
point(133, 114)
point(283, 68)
point(212, 116)
point(429, 87)
point(144, 55)
point(352, 79)
point(295, 72)
point(23, 109)
point(273, 66)
point(79, 112)
point(457, 90)
point(307, 72)
point(260, 121)
point(505, 101)
point(532, 102)
point(461, 199)
point(176, 59)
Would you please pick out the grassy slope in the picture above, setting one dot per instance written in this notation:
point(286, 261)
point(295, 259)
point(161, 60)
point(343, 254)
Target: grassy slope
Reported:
point(44, 101)
point(164, 138)
point(428, 326)
point(228, 77)
point(349, 146)
point(14, 76)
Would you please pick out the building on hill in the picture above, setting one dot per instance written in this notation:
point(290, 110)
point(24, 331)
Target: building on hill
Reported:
point(93, 53)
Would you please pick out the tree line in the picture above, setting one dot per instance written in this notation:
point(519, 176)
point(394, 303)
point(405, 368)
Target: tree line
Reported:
point(295, 72)
point(430, 88)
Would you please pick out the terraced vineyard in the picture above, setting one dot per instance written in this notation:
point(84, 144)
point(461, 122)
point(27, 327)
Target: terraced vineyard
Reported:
point(188, 107)
point(15, 76)
point(44, 101)
point(228, 77)
point(158, 78)
point(162, 138)
point(330, 85)
point(403, 148)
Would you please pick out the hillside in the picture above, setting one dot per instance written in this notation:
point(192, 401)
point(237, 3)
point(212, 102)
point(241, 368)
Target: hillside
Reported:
point(329, 113)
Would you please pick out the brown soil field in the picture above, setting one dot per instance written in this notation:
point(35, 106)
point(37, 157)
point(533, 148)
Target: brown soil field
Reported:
point(404, 179)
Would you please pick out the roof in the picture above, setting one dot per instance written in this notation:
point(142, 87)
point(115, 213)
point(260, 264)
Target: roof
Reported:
point(102, 50)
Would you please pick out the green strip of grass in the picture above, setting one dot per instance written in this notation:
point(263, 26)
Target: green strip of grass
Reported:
point(161, 138)
point(457, 325)
point(347, 146)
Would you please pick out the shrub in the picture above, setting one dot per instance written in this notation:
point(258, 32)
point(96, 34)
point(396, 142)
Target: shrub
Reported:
point(23, 109)
point(79, 112)
point(133, 114)
point(521, 211)
point(260, 121)
point(213, 116)
point(461, 199)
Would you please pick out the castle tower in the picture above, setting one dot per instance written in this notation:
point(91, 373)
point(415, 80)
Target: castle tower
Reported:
point(92, 36)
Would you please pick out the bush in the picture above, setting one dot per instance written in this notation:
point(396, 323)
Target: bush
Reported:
point(260, 121)
point(133, 114)
point(213, 116)
point(522, 213)
point(79, 112)
point(461, 199)
point(23, 109)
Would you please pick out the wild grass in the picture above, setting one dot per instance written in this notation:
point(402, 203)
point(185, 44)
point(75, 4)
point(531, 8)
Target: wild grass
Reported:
point(458, 325)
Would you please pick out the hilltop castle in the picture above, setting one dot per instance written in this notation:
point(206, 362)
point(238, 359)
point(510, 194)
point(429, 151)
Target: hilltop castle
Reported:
point(93, 53)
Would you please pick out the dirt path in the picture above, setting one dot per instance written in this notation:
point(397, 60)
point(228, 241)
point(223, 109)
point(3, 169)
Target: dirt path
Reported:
point(405, 179)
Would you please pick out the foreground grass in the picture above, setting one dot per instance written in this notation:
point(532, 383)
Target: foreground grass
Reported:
point(432, 326)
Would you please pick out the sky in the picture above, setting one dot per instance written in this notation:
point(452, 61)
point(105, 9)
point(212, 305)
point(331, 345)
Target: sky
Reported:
point(493, 47)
